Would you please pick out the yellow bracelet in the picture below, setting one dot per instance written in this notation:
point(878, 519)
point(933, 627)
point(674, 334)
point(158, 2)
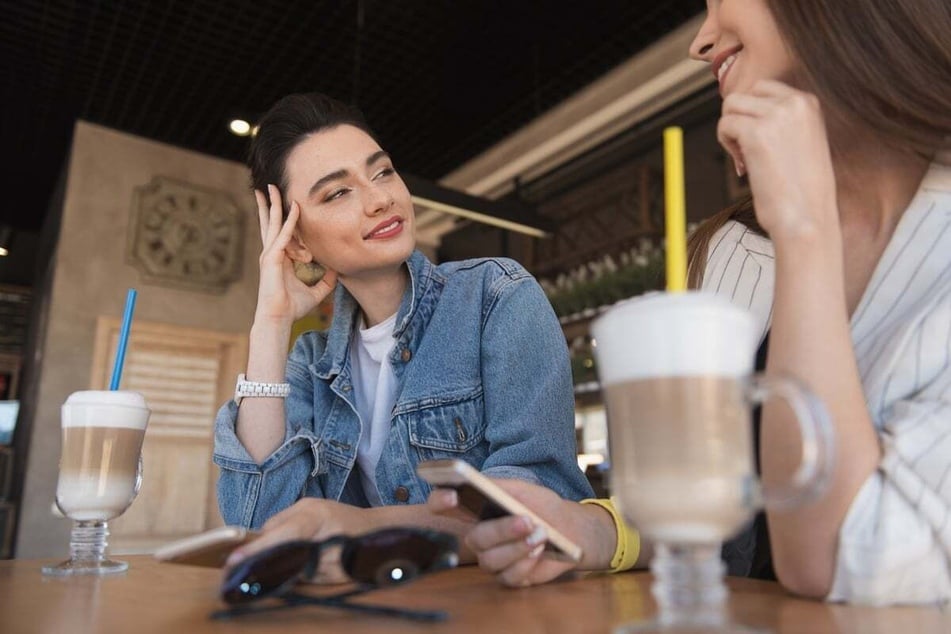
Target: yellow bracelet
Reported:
point(628, 540)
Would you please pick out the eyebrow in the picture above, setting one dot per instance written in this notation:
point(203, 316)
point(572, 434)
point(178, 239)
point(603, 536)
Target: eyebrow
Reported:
point(332, 176)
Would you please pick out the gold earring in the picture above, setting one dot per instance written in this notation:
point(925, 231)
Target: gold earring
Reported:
point(309, 272)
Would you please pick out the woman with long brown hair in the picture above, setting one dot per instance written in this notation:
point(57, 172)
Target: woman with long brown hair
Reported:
point(840, 115)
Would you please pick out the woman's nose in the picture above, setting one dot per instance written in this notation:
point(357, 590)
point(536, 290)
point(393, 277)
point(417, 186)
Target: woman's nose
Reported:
point(378, 200)
point(701, 48)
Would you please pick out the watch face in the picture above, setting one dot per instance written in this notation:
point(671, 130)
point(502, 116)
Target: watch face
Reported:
point(186, 235)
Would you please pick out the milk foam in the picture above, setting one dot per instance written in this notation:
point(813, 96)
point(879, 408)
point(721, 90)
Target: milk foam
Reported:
point(93, 498)
point(105, 408)
point(685, 509)
point(682, 334)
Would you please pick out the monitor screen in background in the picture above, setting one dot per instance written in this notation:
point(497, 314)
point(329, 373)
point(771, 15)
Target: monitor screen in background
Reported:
point(8, 420)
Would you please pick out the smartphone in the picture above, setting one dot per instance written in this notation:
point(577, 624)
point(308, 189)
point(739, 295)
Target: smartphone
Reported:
point(486, 500)
point(210, 548)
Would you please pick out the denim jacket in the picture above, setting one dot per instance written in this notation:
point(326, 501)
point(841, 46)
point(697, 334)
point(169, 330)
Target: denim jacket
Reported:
point(483, 375)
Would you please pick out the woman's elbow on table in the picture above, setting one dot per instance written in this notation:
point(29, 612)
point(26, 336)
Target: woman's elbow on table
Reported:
point(805, 578)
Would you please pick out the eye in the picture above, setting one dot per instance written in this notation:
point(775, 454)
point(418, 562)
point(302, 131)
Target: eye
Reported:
point(336, 193)
point(383, 173)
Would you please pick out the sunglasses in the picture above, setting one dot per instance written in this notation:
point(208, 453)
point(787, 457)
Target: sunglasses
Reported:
point(387, 557)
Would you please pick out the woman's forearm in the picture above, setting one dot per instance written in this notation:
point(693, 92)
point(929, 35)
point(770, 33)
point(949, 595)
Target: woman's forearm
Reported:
point(810, 340)
point(260, 424)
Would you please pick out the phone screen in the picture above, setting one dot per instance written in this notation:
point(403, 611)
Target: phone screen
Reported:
point(476, 502)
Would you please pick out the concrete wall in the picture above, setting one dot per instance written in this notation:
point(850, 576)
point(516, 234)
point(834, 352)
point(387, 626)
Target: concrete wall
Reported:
point(90, 278)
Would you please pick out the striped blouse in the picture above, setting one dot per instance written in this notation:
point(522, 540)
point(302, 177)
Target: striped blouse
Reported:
point(895, 542)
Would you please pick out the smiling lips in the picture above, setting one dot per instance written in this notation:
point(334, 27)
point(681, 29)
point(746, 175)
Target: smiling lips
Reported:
point(723, 62)
point(386, 229)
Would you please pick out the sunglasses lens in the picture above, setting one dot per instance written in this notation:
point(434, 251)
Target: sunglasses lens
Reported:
point(266, 572)
point(397, 555)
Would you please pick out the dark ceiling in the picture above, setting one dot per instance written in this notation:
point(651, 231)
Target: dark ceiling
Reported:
point(439, 80)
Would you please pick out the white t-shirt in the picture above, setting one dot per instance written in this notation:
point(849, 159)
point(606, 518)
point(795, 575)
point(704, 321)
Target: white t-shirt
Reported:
point(374, 394)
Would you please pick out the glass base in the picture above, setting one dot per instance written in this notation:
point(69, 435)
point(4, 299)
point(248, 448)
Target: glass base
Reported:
point(87, 550)
point(79, 567)
point(690, 594)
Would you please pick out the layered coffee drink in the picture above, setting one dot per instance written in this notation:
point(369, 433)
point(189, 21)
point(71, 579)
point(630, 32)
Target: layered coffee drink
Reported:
point(673, 370)
point(676, 373)
point(102, 442)
point(686, 473)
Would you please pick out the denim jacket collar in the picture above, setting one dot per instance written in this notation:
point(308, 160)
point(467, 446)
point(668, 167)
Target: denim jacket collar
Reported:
point(346, 309)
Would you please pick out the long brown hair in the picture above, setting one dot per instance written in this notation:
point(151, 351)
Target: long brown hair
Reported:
point(883, 66)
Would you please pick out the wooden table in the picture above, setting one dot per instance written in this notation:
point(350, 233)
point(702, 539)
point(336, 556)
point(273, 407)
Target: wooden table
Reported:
point(176, 599)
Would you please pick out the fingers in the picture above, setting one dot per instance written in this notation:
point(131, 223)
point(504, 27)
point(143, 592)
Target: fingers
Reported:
point(287, 231)
point(441, 500)
point(270, 217)
point(524, 570)
point(324, 286)
point(276, 211)
point(505, 555)
point(267, 539)
point(494, 533)
point(747, 104)
point(729, 130)
point(517, 559)
point(262, 214)
point(299, 521)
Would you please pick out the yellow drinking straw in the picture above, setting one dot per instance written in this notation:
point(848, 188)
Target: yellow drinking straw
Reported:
point(675, 210)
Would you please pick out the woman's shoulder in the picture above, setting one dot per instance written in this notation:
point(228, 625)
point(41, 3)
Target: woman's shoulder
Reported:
point(485, 269)
point(735, 237)
point(309, 346)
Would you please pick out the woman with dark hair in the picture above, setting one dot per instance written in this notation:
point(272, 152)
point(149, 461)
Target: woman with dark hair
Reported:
point(461, 360)
point(840, 115)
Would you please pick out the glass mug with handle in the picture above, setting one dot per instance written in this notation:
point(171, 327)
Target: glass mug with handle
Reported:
point(100, 473)
point(676, 371)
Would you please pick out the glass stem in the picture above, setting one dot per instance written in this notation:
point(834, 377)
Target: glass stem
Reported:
point(688, 584)
point(87, 541)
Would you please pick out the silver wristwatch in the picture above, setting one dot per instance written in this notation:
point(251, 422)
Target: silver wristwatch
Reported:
point(245, 389)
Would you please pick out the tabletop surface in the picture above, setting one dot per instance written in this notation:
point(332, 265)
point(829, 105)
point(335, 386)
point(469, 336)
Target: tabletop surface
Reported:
point(177, 599)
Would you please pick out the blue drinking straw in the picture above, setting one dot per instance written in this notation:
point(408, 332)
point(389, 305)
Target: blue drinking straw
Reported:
point(123, 338)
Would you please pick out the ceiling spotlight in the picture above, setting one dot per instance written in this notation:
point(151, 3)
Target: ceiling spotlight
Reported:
point(239, 127)
point(6, 237)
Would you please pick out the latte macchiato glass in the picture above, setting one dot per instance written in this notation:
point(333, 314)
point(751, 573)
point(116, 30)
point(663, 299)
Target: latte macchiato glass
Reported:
point(676, 373)
point(99, 472)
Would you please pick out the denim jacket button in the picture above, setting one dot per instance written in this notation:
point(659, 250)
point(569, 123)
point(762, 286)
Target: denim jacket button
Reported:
point(406, 355)
point(401, 494)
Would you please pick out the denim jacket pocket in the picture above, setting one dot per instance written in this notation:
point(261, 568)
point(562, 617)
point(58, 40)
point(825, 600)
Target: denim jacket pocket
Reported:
point(450, 429)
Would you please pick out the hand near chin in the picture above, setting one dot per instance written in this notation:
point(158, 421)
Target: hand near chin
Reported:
point(282, 296)
point(777, 135)
point(310, 519)
point(511, 547)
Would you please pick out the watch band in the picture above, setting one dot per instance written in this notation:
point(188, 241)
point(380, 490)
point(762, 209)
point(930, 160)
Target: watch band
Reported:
point(245, 389)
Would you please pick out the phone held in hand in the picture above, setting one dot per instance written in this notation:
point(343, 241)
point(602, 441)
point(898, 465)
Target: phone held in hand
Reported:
point(486, 500)
point(210, 548)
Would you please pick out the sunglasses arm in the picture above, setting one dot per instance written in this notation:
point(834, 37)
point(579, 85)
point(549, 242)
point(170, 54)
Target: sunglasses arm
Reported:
point(334, 601)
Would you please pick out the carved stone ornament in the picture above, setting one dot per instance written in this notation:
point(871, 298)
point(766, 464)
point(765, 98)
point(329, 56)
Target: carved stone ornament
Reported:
point(186, 236)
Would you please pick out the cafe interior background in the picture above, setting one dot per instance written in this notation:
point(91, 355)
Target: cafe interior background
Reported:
point(525, 129)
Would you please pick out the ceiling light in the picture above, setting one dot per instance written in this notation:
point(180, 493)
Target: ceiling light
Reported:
point(6, 237)
point(239, 127)
point(506, 214)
